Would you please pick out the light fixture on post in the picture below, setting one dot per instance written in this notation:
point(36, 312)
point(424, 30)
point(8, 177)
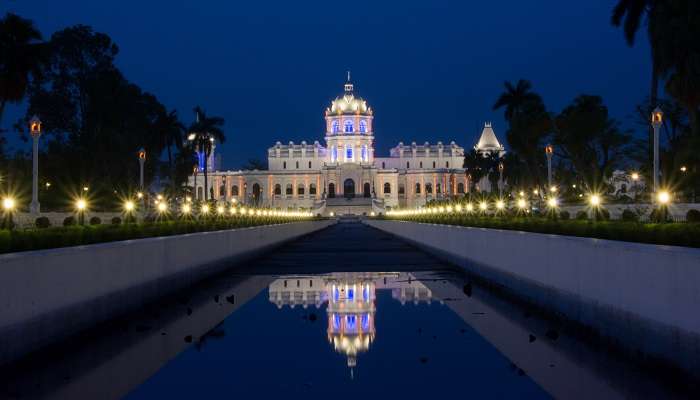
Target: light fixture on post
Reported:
point(500, 179)
point(657, 118)
point(549, 151)
point(81, 208)
point(8, 207)
point(35, 131)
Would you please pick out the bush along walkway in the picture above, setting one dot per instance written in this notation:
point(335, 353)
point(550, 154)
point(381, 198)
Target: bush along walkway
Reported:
point(75, 235)
point(674, 234)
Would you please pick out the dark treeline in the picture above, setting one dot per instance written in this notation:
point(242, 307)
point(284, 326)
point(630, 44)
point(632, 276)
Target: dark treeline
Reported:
point(94, 119)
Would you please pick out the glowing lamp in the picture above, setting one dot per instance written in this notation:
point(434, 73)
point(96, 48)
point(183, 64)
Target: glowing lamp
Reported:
point(186, 209)
point(139, 195)
point(129, 206)
point(8, 203)
point(81, 204)
point(500, 205)
point(684, 168)
point(470, 207)
point(657, 117)
point(220, 210)
point(35, 126)
point(549, 149)
point(483, 206)
point(162, 207)
point(594, 200)
point(635, 176)
point(205, 209)
point(522, 204)
point(663, 197)
point(552, 202)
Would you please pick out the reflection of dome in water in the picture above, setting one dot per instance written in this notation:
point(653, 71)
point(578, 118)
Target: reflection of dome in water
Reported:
point(351, 317)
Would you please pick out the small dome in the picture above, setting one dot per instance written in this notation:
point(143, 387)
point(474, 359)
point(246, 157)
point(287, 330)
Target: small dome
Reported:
point(349, 103)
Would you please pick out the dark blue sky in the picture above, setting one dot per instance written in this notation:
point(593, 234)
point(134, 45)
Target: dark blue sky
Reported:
point(430, 69)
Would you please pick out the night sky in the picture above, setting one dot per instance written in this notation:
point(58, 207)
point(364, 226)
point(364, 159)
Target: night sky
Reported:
point(430, 69)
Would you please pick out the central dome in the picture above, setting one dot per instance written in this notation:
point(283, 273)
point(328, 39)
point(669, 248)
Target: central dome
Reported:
point(348, 103)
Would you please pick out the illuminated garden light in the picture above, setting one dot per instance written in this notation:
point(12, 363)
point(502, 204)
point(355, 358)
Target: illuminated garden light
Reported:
point(81, 204)
point(483, 206)
point(220, 210)
point(552, 202)
point(522, 204)
point(448, 209)
point(684, 168)
point(372, 214)
point(535, 192)
point(500, 205)
point(139, 195)
point(332, 214)
point(129, 206)
point(159, 197)
point(205, 209)
point(663, 197)
point(522, 193)
point(635, 176)
point(85, 188)
point(186, 209)
point(8, 204)
point(470, 207)
point(188, 199)
point(595, 200)
point(162, 207)
point(458, 208)
point(553, 189)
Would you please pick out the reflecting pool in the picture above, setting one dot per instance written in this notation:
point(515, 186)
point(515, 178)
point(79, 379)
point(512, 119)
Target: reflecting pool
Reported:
point(393, 322)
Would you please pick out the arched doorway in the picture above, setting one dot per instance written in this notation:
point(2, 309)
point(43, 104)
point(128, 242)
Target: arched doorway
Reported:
point(349, 188)
point(256, 194)
point(331, 190)
point(366, 190)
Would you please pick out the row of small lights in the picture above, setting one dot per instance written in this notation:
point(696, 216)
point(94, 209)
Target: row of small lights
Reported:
point(81, 205)
point(594, 200)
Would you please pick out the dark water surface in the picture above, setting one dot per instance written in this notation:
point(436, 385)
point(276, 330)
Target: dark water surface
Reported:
point(345, 313)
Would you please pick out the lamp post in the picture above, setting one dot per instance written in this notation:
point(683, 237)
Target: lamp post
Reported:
point(500, 179)
point(549, 150)
point(35, 131)
point(142, 161)
point(656, 120)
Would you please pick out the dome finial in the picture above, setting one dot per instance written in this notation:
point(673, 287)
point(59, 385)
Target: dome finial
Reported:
point(348, 84)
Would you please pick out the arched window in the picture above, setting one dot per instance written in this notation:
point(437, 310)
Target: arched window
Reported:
point(222, 191)
point(348, 125)
point(289, 190)
point(364, 153)
point(387, 188)
point(433, 164)
point(438, 188)
point(460, 188)
point(417, 188)
point(408, 165)
point(421, 164)
point(278, 189)
point(429, 188)
point(234, 190)
point(309, 164)
point(312, 188)
point(363, 126)
point(402, 189)
point(335, 126)
point(284, 165)
point(447, 164)
point(383, 165)
point(300, 189)
point(348, 153)
point(366, 190)
point(331, 190)
point(297, 164)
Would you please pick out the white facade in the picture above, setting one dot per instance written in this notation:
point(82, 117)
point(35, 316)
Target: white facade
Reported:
point(343, 175)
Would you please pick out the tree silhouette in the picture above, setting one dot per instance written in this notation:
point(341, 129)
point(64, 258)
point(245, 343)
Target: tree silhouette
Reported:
point(203, 133)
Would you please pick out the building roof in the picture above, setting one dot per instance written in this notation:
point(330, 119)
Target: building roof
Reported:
point(348, 103)
point(488, 141)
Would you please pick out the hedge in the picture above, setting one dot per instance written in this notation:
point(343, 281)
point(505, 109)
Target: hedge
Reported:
point(675, 234)
point(75, 235)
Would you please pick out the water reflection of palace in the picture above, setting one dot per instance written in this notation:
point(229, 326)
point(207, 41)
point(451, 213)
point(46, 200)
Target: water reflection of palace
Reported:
point(351, 303)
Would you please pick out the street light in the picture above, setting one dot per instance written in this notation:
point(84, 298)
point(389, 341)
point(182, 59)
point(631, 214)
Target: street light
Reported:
point(129, 206)
point(8, 205)
point(522, 204)
point(35, 130)
point(635, 176)
point(552, 202)
point(81, 207)
point(595, 200)
point(500, 179)
point(684, 168)
point(663, 197)
point(549, 150)
point(162, 207)
point(657, 117)
point(205, 209)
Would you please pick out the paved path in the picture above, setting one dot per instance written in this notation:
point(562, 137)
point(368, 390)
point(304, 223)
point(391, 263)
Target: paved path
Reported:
point(346, 246)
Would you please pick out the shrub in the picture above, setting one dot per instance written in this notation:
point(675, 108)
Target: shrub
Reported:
point(629, 215)
point(95, 221)
point(116, 221)
point(581, 216)
point(601, 214)
point(69, 221)
point(42, 222)
point(564, 215)
point(692, 216)
point(659, 215)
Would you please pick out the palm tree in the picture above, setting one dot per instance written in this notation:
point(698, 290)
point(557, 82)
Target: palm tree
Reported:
point(516, 99)
point(170, 130)
point(21, 55)
point(631, 13)
point(203, 133)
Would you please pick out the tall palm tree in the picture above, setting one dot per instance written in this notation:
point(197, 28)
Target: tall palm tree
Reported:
point(21, 54)
point(170, 130)
point(516, 98)
point(630, 14)
point(203, 133)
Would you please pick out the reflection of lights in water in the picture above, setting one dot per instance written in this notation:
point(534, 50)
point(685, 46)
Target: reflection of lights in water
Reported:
point(351, 328)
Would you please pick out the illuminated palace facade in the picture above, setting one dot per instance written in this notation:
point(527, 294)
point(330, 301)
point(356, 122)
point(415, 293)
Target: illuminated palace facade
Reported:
point(343, 175)
point(350, 300)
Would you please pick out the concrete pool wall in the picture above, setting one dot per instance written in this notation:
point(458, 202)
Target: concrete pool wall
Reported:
point(47, 295)
point(643, 297)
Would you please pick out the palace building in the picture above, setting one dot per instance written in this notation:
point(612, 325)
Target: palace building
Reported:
point(343, 175)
